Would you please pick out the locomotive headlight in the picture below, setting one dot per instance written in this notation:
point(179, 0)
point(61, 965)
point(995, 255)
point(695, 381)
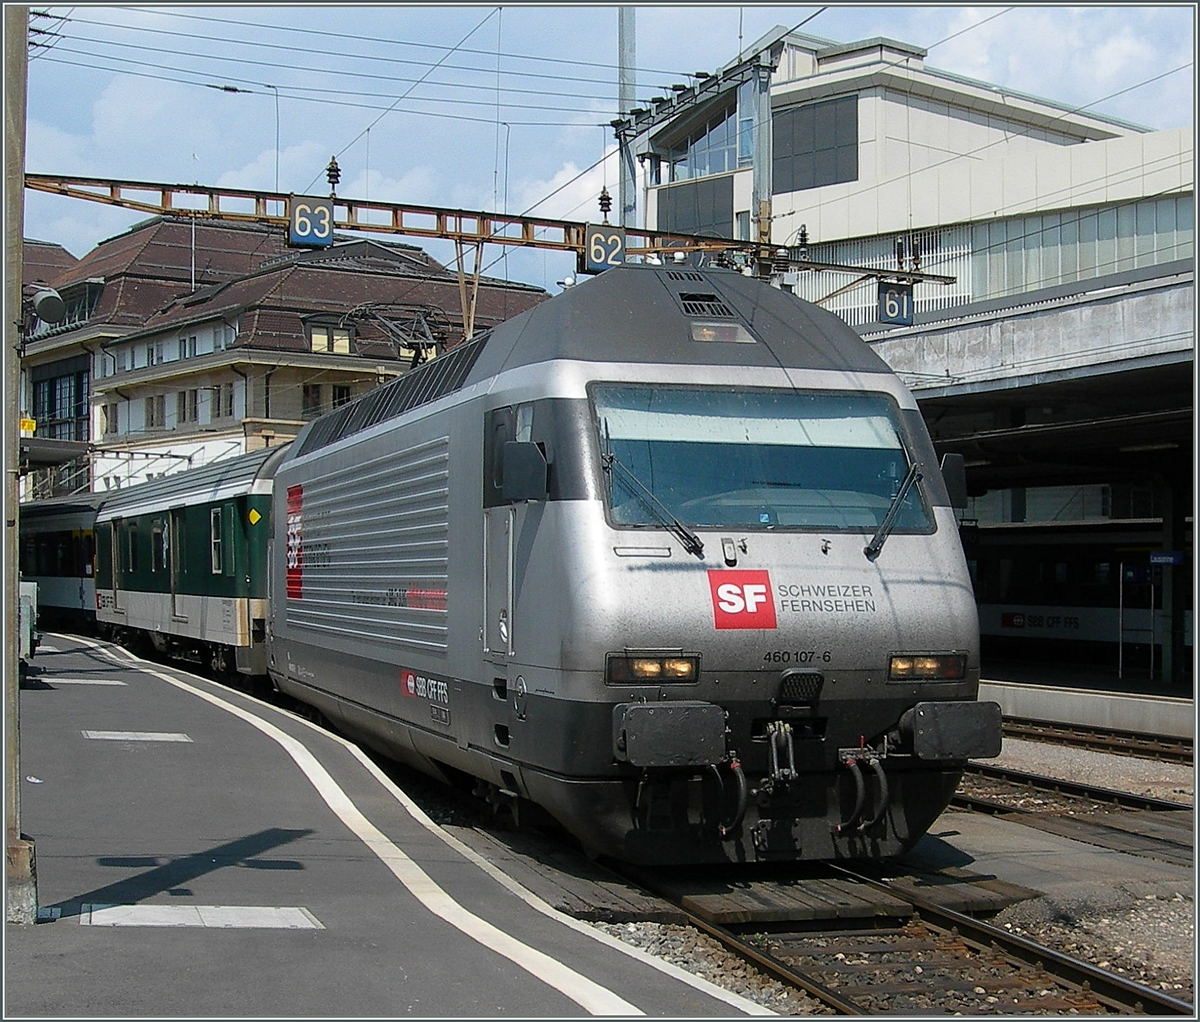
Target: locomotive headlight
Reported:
point(623, 669)
point(927, 667)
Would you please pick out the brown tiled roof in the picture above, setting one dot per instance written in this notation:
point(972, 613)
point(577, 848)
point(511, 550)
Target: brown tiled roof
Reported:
point(162, 248)
point(274, 304)
point(247, 271)
point(42, 261)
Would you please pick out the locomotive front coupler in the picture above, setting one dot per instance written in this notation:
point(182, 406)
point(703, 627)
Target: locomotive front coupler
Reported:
point(782, 752)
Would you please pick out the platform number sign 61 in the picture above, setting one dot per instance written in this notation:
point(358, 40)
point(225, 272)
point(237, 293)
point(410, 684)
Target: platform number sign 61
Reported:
point(604, 248)
point(310, 222)
point(896, 304)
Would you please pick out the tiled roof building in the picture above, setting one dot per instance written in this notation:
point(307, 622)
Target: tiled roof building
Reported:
point(184, 342)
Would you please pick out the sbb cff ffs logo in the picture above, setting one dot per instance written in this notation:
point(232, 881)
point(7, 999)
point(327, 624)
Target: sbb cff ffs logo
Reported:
point(295, 543)
point(742, 599)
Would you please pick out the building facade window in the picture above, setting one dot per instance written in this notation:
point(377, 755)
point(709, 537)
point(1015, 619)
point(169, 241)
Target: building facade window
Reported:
point(711, 148)
point(61, 395)
point(310, 406)
point(222, 401)
point(814, 145)
point(697, 207)
point(187, 347)
point(156, 412)
point(187, 406)
point(341, 395)
point(332, 339)
point(111, 425)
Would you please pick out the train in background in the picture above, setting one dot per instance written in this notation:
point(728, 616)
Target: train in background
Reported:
point(57, 551)
point(1078, 592)
point(669, 557)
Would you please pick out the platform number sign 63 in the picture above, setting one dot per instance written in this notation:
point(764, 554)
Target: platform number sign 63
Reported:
point(604, 248)
point(310, 222)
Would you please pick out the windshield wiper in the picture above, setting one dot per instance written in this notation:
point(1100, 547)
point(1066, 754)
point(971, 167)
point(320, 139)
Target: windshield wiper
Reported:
point(889, 520)
point(691, 542)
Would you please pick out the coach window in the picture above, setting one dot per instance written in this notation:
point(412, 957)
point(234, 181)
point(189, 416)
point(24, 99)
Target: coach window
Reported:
point(215, 537)
point(133, 548)
point(158, 546)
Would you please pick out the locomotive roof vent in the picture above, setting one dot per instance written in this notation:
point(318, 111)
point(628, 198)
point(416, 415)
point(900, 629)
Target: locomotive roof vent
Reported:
point(683, 275)
point(708, 306)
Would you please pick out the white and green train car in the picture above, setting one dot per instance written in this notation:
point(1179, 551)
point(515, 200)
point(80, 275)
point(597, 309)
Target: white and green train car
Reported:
point(181, 560)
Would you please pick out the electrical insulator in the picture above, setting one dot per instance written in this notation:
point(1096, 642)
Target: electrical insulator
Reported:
point(334, 173)
point(605, 202)
point(900, 253)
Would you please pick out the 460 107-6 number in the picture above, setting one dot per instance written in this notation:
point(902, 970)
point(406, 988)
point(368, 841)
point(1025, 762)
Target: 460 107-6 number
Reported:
point(797, 656)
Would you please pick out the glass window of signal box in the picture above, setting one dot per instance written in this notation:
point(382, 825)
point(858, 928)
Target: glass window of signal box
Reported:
point(761, 459)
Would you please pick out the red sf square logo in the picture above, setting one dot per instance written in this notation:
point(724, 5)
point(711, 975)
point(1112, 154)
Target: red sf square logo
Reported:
point(742, 599)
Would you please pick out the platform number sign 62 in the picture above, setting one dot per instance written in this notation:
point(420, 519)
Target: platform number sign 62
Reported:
point(310, 222)
point(604, 248)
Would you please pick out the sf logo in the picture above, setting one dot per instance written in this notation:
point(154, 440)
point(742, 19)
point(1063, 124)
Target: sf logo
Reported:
point(741, 599)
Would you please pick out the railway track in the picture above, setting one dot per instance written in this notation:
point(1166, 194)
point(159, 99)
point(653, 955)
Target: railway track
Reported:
point(1134, 824)
point(1121, 743)
point(934, 960)
point(1022, 781)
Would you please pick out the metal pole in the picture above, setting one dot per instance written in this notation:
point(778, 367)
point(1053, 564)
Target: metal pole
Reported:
point(1121, 621)
point(22, 874)
point(1153, 629)
point(626, 101)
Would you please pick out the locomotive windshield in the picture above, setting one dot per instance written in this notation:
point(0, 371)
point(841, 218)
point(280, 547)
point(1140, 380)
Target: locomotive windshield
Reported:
point(759, 459)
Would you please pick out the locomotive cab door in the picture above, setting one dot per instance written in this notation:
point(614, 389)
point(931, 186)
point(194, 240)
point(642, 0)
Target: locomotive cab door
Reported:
point(497, 583)
point(514, 472)
point(498, 529)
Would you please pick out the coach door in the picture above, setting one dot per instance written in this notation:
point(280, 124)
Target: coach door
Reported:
point(175, 550)
point(118, 562)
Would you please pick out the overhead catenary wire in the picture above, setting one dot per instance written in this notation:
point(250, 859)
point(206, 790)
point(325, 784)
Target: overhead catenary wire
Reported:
point(363, 57)
point(570, 62)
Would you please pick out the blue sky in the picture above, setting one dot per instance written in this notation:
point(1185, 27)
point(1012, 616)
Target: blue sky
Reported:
point(487, 108)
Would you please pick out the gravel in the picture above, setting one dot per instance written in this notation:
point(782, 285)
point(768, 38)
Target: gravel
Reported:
point(702, 956)
point(1175, 782)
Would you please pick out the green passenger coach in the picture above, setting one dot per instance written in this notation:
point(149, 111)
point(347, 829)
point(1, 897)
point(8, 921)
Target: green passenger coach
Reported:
point(183, 560)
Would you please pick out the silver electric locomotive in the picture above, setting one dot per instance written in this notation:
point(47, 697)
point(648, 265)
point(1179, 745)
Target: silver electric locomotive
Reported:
point(669, 556)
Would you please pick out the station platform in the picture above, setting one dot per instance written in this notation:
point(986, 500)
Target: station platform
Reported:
point(1131, 679)
point(1088, 696)
point(200, 854)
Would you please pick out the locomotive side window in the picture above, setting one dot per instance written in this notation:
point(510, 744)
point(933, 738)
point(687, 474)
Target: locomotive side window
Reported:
point(501, 427)
point(755, 459)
